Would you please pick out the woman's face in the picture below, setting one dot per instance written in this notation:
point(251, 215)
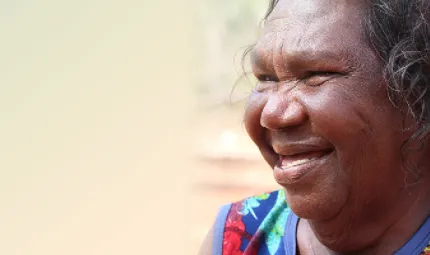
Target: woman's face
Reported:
point(320, 114)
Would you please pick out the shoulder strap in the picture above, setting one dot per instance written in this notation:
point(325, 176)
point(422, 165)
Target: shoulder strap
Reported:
point(218, 231)
point(237, 223)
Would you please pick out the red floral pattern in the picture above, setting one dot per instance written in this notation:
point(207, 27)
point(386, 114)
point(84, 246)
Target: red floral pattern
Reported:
point(234, 233)
point(233, 230)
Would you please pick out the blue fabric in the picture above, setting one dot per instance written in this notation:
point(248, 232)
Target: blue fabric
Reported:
point(413, 247)
point(265, 225)
point(254, 226)
point(290, 234)
point(218, 231)
point(418, 241)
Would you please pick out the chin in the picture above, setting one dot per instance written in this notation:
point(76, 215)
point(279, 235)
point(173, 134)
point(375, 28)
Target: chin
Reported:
point(318, 205)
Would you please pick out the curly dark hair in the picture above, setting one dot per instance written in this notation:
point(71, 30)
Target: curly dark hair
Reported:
point(399, 31)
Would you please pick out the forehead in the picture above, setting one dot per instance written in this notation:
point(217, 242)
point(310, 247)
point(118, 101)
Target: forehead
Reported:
point(311, 26)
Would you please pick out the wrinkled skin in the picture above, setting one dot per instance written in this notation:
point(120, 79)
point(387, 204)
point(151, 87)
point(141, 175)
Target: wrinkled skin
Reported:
point(321, 85)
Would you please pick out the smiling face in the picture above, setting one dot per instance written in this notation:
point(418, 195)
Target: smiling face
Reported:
point(320, 114)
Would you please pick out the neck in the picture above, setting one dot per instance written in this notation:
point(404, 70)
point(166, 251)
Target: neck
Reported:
point(383, 230)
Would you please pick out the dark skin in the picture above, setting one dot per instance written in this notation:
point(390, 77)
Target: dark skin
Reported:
point(321, 87)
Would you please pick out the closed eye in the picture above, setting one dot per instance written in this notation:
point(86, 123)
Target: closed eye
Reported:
point(317, 78)
point(267, 78)
point(322, 73)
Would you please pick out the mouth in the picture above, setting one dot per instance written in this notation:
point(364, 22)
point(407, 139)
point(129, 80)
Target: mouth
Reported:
point(292, 168)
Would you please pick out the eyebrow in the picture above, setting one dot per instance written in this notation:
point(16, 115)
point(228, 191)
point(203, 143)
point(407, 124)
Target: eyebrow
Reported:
point(302, 58)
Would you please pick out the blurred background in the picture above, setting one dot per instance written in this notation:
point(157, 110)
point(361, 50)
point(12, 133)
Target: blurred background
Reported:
point(121, 123)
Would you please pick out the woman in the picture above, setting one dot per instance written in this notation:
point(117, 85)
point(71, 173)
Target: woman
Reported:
point(341, 114)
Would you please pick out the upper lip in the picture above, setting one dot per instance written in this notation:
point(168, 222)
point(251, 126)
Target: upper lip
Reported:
point(299, 147)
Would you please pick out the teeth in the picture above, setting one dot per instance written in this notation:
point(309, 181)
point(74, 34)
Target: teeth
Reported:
point(297, 162)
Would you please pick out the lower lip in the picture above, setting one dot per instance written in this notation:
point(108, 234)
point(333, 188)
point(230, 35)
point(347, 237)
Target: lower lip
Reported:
point(293, 174)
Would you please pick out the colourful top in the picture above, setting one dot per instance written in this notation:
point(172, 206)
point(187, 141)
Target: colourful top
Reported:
point(265, 225)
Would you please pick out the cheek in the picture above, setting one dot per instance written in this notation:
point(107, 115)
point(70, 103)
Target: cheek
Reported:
point(340, 115)
point(252, 116)
point(335, 115)
point(256, 132)
point(362, 125)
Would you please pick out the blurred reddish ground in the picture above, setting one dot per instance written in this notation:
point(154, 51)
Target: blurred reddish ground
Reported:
point(227, 167)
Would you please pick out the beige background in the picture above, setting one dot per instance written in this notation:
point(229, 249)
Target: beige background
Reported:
point(107, 144)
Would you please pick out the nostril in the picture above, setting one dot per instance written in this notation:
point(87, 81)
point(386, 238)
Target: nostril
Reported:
point(280, 113)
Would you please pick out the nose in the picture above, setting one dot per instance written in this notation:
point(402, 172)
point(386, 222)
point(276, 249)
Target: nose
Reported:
point(282, 112)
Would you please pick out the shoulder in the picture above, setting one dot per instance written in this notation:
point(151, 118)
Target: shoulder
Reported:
point(243, 223)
